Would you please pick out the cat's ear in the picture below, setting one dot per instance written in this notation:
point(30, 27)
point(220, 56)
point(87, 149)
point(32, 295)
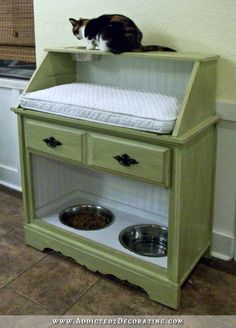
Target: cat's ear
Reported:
point(73, 21)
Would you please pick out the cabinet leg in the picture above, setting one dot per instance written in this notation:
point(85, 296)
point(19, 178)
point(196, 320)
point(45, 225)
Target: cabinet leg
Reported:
point(164, 294)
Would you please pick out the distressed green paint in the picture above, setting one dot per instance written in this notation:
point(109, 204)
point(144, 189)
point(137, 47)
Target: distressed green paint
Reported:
point(55, 69)
point(162, 55)
point(200, 98)
point(151, 138)
point(71, 147)
point(184, 161)
point(191, 203)
point(153, 161)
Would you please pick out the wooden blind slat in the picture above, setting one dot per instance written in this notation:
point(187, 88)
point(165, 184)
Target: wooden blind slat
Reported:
point(17, 29)
point(17, 53)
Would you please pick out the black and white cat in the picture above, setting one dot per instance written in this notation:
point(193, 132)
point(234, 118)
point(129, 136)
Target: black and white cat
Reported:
point(115, 33)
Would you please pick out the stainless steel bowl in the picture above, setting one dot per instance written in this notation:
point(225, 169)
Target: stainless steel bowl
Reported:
point(87, 217)
point(145, 239)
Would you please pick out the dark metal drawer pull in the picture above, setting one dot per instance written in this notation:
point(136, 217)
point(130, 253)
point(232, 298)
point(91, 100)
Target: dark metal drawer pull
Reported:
point(125, 160)
point(52, 142)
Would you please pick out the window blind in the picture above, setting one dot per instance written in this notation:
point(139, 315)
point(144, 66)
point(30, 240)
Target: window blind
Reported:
point(17, 30)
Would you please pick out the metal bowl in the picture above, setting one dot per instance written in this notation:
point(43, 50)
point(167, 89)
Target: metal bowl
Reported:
point(87, 217)
point(145, 239)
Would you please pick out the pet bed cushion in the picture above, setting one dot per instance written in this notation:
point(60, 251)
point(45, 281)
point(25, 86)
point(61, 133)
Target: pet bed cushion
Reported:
point(135, 109)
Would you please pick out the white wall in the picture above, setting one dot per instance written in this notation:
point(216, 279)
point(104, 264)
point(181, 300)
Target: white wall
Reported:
point(189, 26)
point(224, 245)
point(200, 26)
point(9, 154)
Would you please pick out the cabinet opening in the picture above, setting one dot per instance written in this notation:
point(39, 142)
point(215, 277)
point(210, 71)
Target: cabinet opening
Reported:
point(58, 185)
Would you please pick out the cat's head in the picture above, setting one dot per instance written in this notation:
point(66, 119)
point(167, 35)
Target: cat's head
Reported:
point(78, 27)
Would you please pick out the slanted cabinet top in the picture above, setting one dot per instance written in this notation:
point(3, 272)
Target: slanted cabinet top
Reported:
point(153, 54)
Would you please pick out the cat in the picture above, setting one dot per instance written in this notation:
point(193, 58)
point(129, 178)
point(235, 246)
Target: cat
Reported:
point(115, 33)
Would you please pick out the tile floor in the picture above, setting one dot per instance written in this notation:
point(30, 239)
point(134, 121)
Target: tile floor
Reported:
point(38, 283)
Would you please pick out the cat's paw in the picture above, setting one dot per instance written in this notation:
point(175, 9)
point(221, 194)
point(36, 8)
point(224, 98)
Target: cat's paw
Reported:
point(91, 45)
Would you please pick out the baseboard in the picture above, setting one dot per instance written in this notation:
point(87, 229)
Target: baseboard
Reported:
point(10, 177)
point(10, 185)
point(226, 111)
point(222, 246)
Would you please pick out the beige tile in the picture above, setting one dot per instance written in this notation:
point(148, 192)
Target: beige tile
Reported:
point(9, 221)
point(207, 292)
point(15, 256)
point(13, 304)
point(181, 311)
point(111, 297)
point(11, 214)
point(10, 203)
point(55, 282)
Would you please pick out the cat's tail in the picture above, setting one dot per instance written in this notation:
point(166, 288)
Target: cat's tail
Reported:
point(155, 48)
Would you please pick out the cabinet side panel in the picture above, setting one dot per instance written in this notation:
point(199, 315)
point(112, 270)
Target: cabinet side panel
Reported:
point(56, 68)
point(200, 99)
point(197, 180)
point(191, 213)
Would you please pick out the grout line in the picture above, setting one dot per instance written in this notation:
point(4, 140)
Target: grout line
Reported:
point(14, 290)
point(44, 307)
point(159, 312)
point(33, 301)
point(82, 295)
point(16, 227)
point(21, 273)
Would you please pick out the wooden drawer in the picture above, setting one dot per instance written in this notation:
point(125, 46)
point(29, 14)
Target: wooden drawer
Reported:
point(39, 136)
point(117, 154)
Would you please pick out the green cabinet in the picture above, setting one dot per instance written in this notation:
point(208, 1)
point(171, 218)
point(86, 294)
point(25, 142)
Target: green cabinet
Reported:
point(170, 180)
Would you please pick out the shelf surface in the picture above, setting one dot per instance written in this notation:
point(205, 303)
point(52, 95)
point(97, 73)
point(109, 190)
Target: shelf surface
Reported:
point(108, 236)
point(152, 54)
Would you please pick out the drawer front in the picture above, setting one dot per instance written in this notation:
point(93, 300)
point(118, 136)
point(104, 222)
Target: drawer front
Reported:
point(136, 159)
point(55, 140)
